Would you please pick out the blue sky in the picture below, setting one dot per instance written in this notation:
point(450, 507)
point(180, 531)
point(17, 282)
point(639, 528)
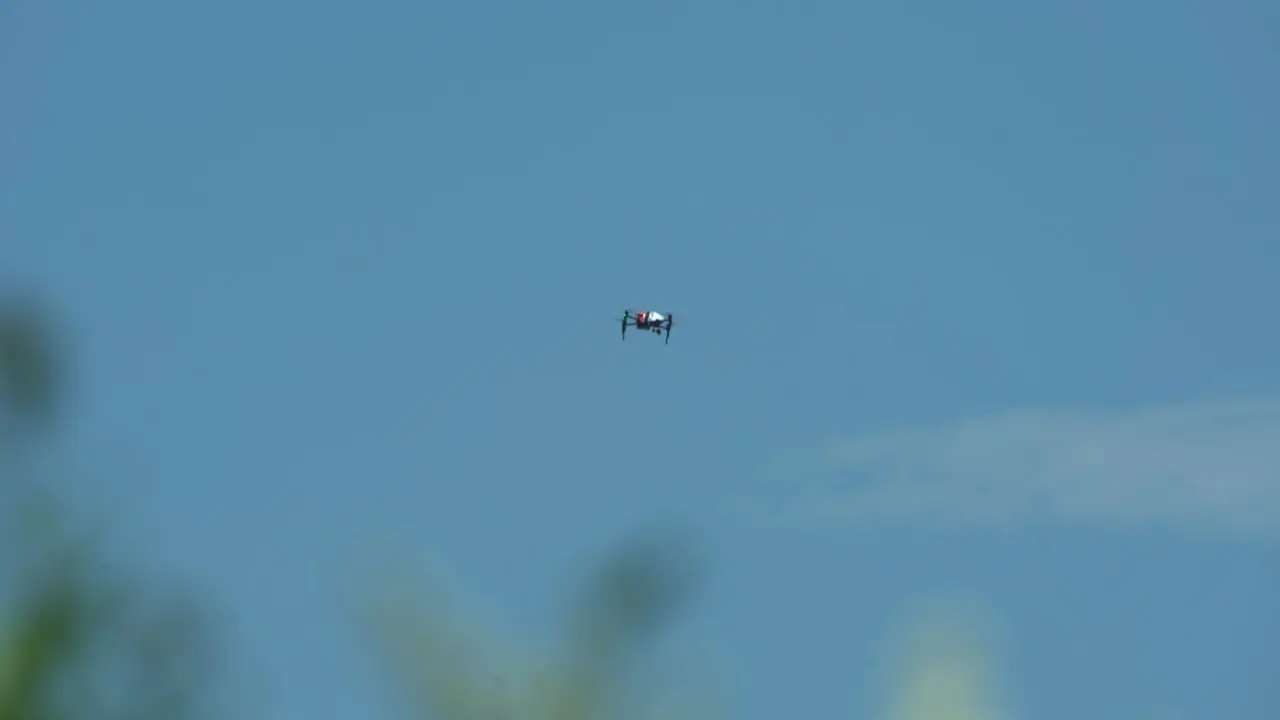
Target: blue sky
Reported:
point(972, 299)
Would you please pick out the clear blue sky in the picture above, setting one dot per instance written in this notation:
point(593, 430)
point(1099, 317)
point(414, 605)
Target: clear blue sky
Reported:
point(993, 282)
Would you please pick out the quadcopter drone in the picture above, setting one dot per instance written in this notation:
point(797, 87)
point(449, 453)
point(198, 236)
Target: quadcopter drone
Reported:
point(647, 320)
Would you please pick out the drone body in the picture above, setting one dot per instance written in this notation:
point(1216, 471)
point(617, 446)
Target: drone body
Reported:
point(647, 320)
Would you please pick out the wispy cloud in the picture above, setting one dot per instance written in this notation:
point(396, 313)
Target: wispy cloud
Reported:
point(1211, 466)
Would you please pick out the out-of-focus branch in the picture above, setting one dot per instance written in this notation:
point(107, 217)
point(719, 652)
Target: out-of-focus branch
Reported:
point(77, 638)
point(30, 366)
point(635, 592)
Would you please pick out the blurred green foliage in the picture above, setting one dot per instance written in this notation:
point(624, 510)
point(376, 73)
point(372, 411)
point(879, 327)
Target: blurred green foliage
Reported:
point(29, 364)
point(945, 667)
point(80, 639)
point(436, 659)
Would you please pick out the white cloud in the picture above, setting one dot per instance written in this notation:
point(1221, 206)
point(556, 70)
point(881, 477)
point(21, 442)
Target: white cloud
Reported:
point(1200, 466)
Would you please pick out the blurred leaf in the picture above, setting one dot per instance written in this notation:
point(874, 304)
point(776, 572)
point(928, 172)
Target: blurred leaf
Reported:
point(77, 638)
point(430, 659)
point(83, 641)
point(52, 628)
point(636, 590)
point(29, 363)
point(447, 676)
point(948, 669)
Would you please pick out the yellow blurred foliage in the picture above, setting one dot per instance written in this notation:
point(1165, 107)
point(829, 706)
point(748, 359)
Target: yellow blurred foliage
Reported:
point(79, 641)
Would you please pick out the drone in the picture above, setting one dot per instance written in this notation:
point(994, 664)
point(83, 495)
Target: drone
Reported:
point(647, 320)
